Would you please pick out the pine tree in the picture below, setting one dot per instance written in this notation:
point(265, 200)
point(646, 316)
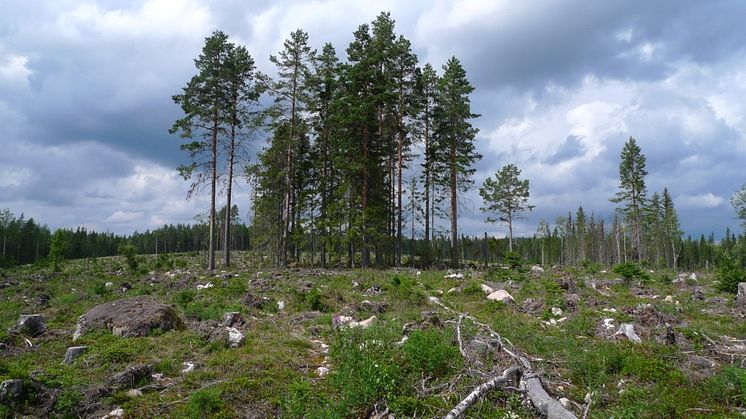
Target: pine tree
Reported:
point(427, 85)
point(291, 91)
point(671, 228)
point(325, 90)
point(203, 101)
point(242, 120)
point(453, 140)
point(632, 191)
point(506, 196)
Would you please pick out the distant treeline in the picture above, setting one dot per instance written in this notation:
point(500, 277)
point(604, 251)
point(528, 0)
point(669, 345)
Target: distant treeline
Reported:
point(26, 241)
point(568, 243)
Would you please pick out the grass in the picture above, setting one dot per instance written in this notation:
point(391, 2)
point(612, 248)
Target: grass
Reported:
point(273, 373)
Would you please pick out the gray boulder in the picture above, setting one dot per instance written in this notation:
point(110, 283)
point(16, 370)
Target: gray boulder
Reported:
point(11, 390)
point(31, 324)
point(72, 353)
point(130, 317)
point(131, 377)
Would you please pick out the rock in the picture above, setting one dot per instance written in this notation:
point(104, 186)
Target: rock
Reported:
point(339, 321)
point(31, 324)
point(430, 318)
point(572, 302)
point(565, 402)
point(556, 311)
point(487, 289)
point(134, 393)
point(205, 286)
point(367, 322)
point(693, 277)
point(188, 367)
point(130, 317)
point(532, 306)
point(255, 302)
point(377, 307)
point(699, 294)
point(608, 324)
point(233, 318)
point(699, 367)
point(741, 296)
point(322, 371)
point(501, 295)
point(537, 269)
point(281, 305)
point(11, 390)
point(117, 413)
point(628, 330)
point(109, 285)
point(42, 300)
point(452, 290)
point(454, 276)
point(72, 353)
point(668, 299)
point(131, 376)
point(235, 337)
point(670, 336)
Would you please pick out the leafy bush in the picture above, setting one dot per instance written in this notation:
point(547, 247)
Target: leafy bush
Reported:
point(431, 351)
point(513, 260)
point(128, 250)
point(729, 272)
point(630, 271)
point(367, 368)
point(205, 403)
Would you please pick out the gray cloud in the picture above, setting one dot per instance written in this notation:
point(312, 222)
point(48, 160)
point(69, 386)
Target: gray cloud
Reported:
point(85, 97)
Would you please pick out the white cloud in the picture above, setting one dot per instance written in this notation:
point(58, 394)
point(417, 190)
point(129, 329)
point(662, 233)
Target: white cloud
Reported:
point(14, 71)
point(706, 200)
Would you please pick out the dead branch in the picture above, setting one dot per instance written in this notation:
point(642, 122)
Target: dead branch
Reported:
point(458, 336)
point(481, 390)
point(529, 381)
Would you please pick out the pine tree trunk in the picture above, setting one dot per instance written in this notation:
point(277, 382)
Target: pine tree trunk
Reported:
point(365, 262)
point(227, 233)
point(213, 189)
point(454, 206)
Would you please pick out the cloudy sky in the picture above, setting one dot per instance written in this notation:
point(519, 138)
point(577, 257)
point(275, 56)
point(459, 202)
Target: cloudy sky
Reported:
point(85, 97)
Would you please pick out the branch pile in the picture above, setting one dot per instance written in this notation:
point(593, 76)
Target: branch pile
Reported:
point(529, 382)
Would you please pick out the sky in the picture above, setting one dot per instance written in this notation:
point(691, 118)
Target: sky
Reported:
point(86, 86)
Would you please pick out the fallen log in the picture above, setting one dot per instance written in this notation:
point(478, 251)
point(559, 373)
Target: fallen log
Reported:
point(481, 390)
point(529, 381)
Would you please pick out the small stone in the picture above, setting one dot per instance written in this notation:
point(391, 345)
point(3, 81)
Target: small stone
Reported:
point(668, 299)
point(72, 353)
point(31, 324)
point(322, 371)
point(628, 330)
point(115, 414)
point(11, 390)
point(556, 311)
point(233, 318)
point(205, 286)
point(454, 276)
point(487, 289)
point(537, 269)
point(188, 367)
point(134, 393)
point(501, 295)
point(608, 324)
point(281, 305)
point(235, 337)
point(565, 402)
point(368, 322)
point(693, 277)
point(109, 285)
